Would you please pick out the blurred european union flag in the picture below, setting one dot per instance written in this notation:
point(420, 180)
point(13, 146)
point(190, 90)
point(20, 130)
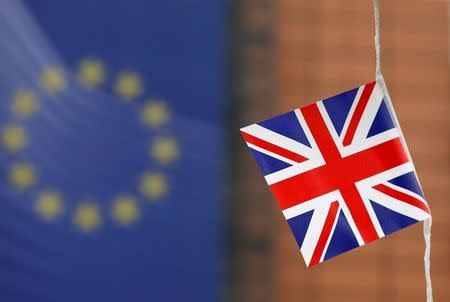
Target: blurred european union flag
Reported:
point(110, 150)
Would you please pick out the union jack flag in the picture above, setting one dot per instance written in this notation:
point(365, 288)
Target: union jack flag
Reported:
point(340, 172)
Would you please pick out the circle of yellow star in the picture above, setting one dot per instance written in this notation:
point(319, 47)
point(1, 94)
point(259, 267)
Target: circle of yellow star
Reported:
point(155, 114)
point(128, 85)
point(53, 79)
point(91, 72)
point(24, 104)
point(49, 205)
point(13, 138)
point(87, 217)
point(153, 185)
point(125, 210)
point(164, 149)
point(22, 176)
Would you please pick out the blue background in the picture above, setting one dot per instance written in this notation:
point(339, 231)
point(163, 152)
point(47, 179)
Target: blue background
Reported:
point(173, 253)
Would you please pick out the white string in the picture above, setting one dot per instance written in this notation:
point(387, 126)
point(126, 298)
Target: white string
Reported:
point(377, 41)
point(379, 77)
point(427, 235)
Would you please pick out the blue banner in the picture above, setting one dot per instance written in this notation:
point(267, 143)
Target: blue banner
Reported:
point(111, 145)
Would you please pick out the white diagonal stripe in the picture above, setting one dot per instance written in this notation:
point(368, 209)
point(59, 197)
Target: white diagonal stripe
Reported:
point(351, 222)
point(373, 217)
point(316, 153)
point(294, 170)
point(278, 139)
point(274, 155)
point(397, 205)
point(368, 115)
point(333, 228)
point(314, 230)
point(351, 111)
point(406, 191)
point(304, 207)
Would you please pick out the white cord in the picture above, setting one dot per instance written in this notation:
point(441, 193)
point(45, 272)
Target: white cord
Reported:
point(380, 80)
point(377, 41)
point(426, 258)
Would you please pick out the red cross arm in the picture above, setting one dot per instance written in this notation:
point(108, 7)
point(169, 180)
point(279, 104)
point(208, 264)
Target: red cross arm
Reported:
point(330, 177)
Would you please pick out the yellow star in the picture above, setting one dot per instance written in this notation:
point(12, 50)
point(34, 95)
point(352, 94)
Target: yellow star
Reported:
point(125, 210)
point(164, 149)
point(128, 85)
point(22, 176)
point(24, 103)
point(153, 185)
point(155, 114)
point(14, 138)
point(87, 217)
point(49, 205)
point(53, 79)
point(91, 72)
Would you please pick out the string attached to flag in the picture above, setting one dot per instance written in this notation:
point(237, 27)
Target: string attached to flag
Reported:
point(427, 236)
point(379, 77)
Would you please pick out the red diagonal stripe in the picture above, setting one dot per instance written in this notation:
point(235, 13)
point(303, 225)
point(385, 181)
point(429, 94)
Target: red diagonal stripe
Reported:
point(402, 197)
point(357, 114)
point(325, 234)
point(272, 148)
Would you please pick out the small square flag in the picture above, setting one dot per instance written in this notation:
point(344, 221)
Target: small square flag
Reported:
point(340, 172)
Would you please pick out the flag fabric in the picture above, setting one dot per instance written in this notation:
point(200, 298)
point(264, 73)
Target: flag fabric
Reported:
point(340, 172)
point(108, 189)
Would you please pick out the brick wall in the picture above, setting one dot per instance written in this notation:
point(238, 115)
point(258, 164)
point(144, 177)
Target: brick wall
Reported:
point(288, 53)
point(326, 46)
point(252, 94)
